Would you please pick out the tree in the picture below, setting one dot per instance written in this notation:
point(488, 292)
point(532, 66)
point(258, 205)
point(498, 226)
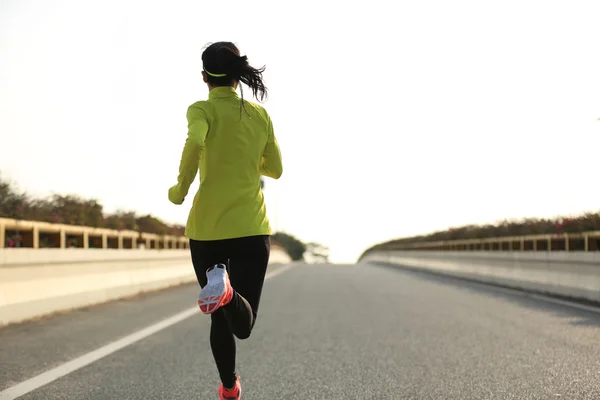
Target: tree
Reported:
point(317, 252)
point(12, 203)
point(76, 210)
point(151, 224)
point(585, 222)
point(122, 220)
point(294, 247)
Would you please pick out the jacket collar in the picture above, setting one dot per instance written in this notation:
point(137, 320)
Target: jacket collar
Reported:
point(221, 92)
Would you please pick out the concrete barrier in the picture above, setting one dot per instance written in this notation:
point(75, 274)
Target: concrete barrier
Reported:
point(566, 274)
point(24, 256)
point(38, 282)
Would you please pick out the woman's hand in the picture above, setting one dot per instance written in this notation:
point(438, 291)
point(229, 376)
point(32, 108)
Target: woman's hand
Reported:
point(175, 196)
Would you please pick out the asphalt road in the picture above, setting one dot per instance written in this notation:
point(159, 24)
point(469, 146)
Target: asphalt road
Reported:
point(325, 332)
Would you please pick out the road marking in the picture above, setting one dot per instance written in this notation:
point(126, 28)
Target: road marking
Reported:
point(86, 359)
point(279, 271)
point(42, 379)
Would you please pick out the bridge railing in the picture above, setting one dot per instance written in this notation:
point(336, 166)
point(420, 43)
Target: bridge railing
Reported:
point(36, 234)
point(585, 241)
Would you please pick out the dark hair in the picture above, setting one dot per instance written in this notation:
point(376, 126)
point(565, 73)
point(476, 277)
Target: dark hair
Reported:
point(224, 66)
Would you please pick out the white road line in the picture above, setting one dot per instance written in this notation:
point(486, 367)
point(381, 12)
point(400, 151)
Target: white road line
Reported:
point(279, 271)
point(80, 362)
point(38, 381)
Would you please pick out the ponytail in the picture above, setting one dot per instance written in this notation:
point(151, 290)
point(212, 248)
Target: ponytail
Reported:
point(224, 66)
point(240, 70)
point(253, 78)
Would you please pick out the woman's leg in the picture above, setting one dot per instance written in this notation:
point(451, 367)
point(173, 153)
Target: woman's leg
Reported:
point(206, 254)
point(222, 344)
point(248, 261)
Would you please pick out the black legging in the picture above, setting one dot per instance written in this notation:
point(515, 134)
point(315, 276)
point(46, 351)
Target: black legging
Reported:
point(247, 259)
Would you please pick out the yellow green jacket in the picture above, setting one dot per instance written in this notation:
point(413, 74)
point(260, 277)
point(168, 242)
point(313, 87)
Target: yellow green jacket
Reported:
point(231, 150)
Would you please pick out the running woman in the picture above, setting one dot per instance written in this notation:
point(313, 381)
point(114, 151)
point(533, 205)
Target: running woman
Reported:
point(231, 141)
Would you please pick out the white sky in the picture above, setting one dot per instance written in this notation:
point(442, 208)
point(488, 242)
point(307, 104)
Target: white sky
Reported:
point(394, 117)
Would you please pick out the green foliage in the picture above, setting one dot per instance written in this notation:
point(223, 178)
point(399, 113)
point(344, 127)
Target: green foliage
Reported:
point(529, 226)
point(12, 202)
point(293, 246)
point(122, 220)
point(75, 210)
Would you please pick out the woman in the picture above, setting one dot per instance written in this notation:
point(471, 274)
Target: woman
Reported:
point(232, 142)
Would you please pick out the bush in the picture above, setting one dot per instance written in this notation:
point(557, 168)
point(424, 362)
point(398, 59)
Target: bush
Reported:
point(529, 226)
point(294, 247)
point(75, 210)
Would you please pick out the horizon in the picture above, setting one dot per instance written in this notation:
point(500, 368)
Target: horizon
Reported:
point(498, 222)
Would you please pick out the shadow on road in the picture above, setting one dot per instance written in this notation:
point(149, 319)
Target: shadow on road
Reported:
point(578, 316)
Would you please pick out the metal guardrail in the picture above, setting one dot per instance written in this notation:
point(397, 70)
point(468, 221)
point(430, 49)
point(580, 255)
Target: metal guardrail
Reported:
point(585, 241)
point(36, 234)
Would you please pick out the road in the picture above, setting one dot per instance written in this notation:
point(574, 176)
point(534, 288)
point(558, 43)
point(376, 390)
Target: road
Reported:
point(324, 332)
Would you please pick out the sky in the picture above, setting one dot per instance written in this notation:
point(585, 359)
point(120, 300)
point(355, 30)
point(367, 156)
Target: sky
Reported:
point(394, 118)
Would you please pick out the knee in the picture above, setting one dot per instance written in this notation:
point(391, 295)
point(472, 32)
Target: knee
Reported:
point(243, 334)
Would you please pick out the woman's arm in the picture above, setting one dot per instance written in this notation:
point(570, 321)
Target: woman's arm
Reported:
point(271, 164)
point(190, 157)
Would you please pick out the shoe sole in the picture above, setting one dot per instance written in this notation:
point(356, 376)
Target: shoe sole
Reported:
point(238, 397)
point(212, 295)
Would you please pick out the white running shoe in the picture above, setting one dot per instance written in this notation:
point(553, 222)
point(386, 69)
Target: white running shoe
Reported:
point(217, 292)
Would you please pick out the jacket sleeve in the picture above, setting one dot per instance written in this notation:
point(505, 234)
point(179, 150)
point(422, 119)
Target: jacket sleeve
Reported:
point(271, 163)
point(190, 157)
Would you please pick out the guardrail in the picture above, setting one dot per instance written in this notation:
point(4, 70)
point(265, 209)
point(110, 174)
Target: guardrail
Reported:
point(62, 267)
point(574, 275)
point(585, 241)
point(36, 234)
